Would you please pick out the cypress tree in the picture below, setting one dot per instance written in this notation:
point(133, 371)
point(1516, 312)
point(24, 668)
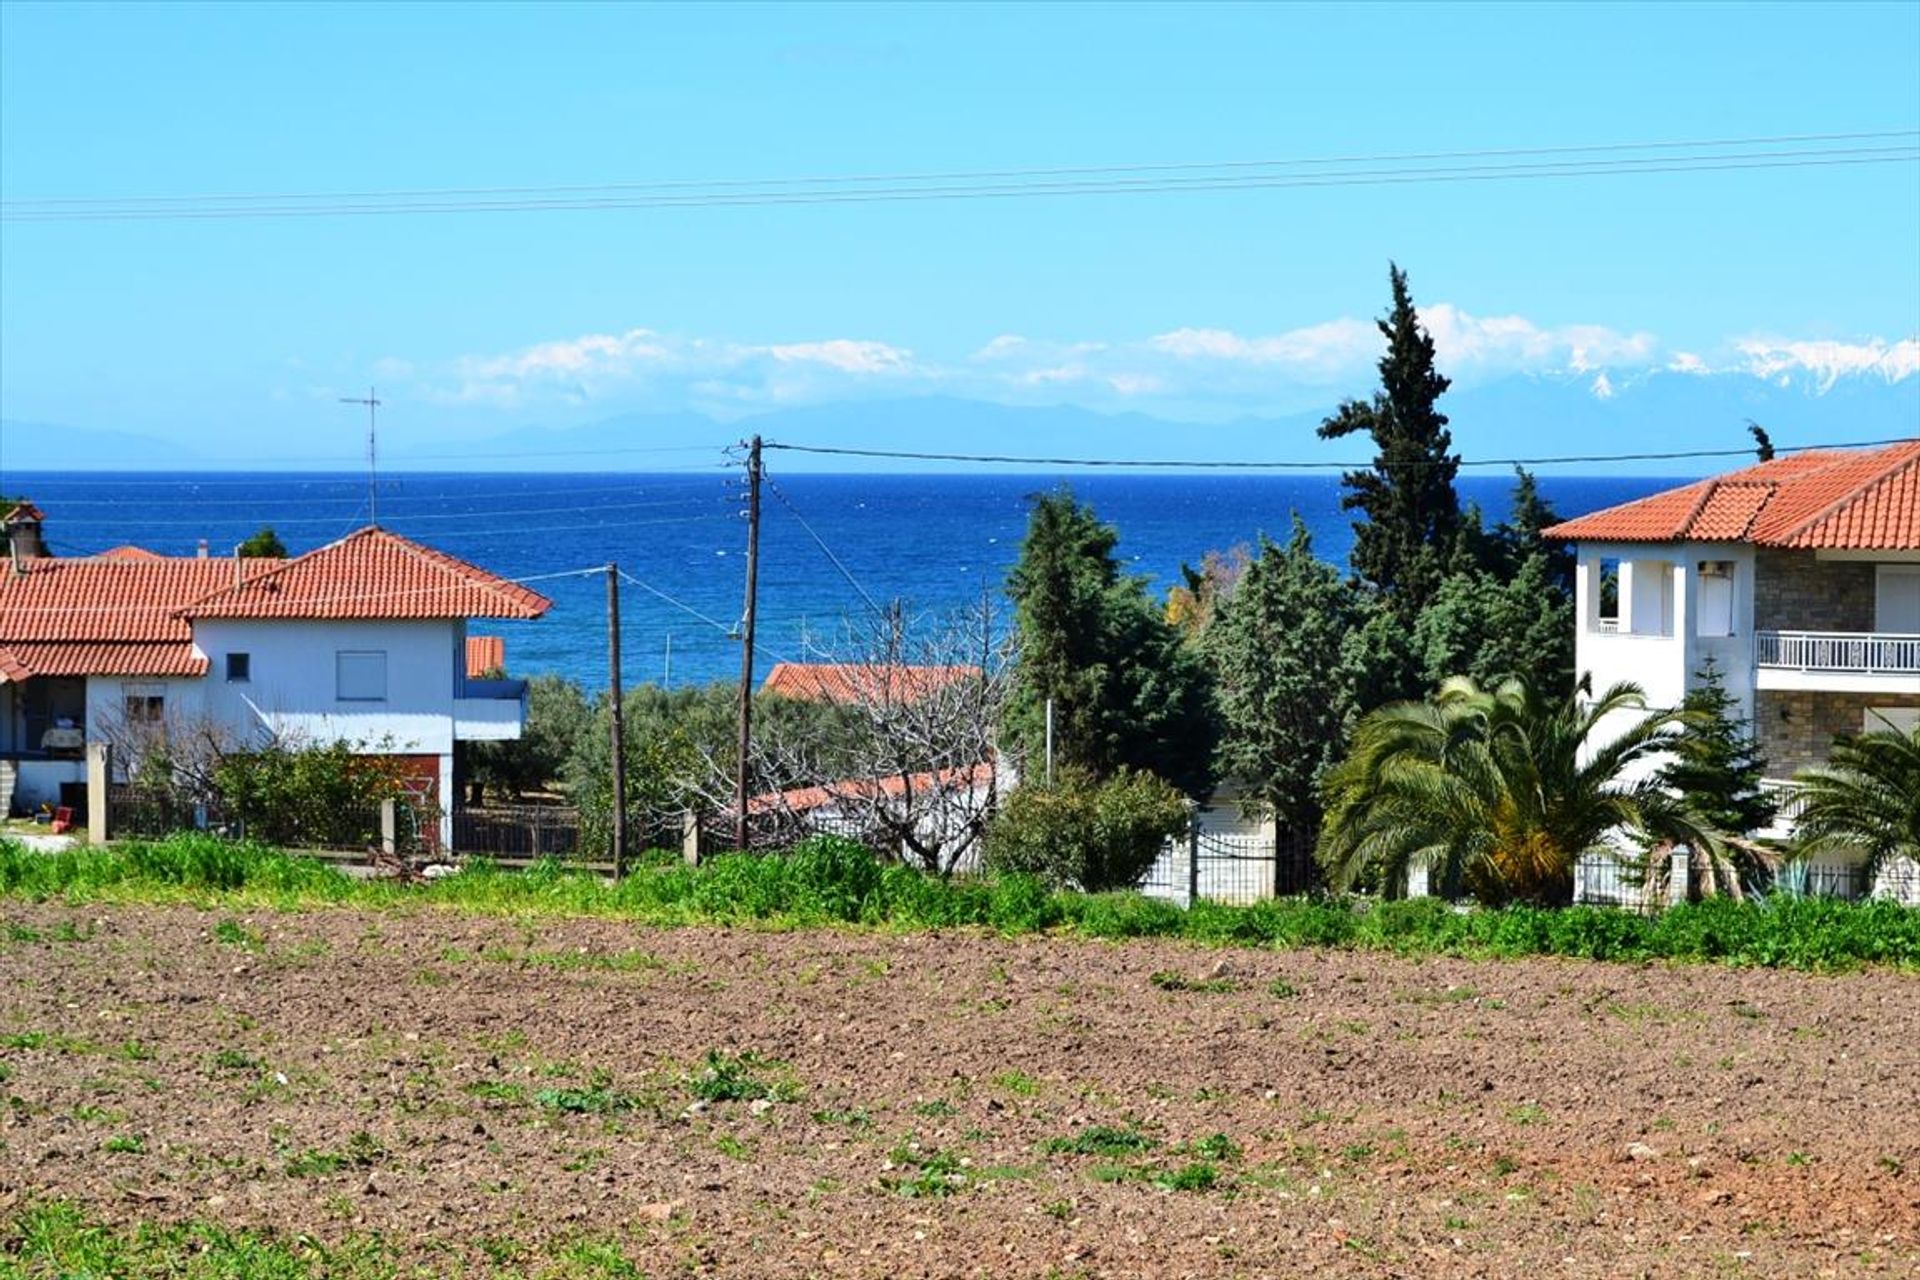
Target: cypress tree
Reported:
point(1126, 692)
point(1412, 513)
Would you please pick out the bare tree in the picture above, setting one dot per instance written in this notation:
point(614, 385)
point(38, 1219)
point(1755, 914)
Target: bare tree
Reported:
point(911, 764)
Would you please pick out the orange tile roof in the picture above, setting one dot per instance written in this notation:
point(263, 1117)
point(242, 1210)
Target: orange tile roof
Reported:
point(94, 601)
point(1835, 499)
point(373, 574)
point(484, 654)
point(131, 615)
point(21, 660)
point(859, 682)
point(128, 552)
point(803, 799)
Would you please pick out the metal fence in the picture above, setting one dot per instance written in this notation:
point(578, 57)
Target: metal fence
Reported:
point(517, 831)
point(152, 812)
point(1603, 880)
point(1230, 866)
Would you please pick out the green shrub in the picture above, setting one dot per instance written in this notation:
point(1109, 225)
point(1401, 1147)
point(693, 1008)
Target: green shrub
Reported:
point(1081, 834)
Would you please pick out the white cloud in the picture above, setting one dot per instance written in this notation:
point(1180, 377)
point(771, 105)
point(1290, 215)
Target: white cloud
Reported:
point(846, 355)
point(1192, 372)
point(1316, 351)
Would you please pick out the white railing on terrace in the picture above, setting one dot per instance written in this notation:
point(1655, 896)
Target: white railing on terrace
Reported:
point(1789, 795)
point(1607, 626)
point(1863, 652)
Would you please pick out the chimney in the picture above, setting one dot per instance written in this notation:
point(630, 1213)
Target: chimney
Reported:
point(20, 524)
point(203, 548)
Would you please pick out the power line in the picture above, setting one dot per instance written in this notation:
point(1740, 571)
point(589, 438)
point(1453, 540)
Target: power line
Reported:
point(1057, 171)
point(774, 193)
point(198, 479)
point(1271, 465)
point(822, 544)
point(490, 515)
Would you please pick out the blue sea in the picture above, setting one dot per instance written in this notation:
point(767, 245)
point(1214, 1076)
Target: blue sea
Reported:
point(934, 541)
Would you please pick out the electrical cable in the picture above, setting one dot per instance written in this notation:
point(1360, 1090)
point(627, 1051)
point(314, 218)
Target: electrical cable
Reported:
point(825, 549)
point(1704, 163)
point(1271, 465)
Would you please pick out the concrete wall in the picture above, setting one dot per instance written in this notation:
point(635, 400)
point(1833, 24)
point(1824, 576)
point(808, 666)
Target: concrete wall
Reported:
point(1796, 730)
point(292, 688)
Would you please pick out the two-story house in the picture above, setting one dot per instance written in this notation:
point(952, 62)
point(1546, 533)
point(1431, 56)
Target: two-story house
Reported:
point(1798, 577)
point(363, 640)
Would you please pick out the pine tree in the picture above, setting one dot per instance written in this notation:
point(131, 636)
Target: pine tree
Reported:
point(1412, 513)
point(1518, 537)
point(1716, 765)
point(263, 545)
point(1285, 669)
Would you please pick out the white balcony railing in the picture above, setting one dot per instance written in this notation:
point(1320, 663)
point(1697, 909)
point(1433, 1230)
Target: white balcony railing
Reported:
point(1854, 652)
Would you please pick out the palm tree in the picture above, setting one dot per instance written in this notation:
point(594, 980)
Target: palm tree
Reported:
point(1499, 791)
point(1864, 802)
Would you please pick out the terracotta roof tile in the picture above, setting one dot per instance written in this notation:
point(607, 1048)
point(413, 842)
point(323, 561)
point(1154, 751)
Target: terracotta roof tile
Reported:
point(484, 654)
point(20, 660)
point(96, 600)
point(128, 552)
point(859, 682)
point(373, 574)
point(803, 799)
point(1867, 500)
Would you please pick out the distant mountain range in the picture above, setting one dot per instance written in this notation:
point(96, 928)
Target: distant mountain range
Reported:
point(1597, 412)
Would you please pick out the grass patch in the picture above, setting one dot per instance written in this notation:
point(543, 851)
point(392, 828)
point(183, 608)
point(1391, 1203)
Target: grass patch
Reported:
point(1103, 1140)
point(741, 1077)
point(925, 1172)
point(825, 880)
point(1168, 980)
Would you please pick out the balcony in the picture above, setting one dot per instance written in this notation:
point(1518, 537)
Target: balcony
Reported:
point(1837, 661)
point(490, 710)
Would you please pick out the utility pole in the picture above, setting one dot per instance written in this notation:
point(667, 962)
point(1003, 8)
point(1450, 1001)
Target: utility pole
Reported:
point(746, 647)
point(619, 733)
point(372, 401)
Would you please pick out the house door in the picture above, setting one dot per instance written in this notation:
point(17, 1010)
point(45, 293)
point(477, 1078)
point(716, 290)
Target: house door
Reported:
point(1897, 600)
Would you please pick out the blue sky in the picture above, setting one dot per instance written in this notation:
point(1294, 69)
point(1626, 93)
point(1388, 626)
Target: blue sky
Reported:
point(240, 334)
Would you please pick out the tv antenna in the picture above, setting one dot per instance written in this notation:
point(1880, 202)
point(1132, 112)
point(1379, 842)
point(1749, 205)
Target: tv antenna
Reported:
point(372, 401)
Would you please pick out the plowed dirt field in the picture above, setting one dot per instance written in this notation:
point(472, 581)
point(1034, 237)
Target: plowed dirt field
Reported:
point(485, 1094)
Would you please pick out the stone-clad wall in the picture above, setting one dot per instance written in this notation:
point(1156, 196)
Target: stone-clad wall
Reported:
point(1794, 592)
point(1804, 734)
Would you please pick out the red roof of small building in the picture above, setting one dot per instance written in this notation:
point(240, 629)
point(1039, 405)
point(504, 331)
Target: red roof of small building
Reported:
point(860, 682)
point(373, 574)
point(484, 654)
point(132, 615)
point(128, 552)
point(1829, 499)
point(803, 799)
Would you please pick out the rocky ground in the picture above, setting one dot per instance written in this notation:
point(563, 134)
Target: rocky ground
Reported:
point(488, 1093)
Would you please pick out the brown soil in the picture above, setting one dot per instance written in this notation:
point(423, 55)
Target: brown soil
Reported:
point(345, 1072)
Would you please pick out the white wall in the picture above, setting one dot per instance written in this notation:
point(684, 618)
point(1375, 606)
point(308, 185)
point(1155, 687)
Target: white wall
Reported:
point(292, 685)
point(1657, 646)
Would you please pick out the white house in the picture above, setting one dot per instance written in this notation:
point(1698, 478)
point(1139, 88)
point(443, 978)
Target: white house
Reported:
point(1799, 577)
point(363, 640)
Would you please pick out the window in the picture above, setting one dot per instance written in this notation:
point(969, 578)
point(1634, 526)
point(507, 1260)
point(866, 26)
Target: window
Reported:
point(239, 668)
point(146, 708)
point(360, 675)
point(1608, 603)
point(1715, 604)
point(1897, 599)
point(1892, 719)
